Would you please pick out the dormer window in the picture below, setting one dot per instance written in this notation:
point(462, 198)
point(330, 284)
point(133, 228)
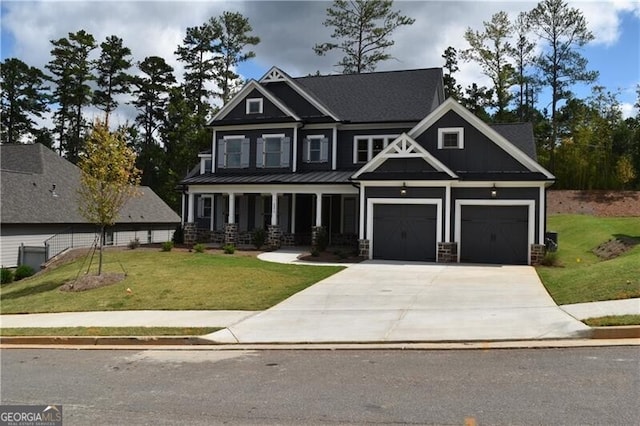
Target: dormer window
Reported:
point(254, 106)
point(451, 138)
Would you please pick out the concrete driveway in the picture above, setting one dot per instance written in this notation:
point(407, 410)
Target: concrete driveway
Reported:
point(384, 301)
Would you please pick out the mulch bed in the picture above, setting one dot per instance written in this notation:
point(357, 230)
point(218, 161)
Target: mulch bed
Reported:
point(88, 282)
point(616, 247)
point(330, 257)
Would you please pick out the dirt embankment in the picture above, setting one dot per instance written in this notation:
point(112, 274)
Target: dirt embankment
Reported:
point(596, 203)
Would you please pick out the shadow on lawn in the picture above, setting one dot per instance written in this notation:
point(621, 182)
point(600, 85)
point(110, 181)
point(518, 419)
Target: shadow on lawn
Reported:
point(40, 288)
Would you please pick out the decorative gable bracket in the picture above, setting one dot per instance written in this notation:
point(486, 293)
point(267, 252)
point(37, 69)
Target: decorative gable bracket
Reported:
point(404, 147)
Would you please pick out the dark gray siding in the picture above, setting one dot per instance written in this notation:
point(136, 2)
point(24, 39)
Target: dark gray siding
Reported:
point(292, 99)
point(479, 155)
point(407, 165)
point(269, 110)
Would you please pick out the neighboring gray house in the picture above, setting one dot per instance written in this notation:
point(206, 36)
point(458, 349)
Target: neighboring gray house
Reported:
point(39, 205)
point(381, 161)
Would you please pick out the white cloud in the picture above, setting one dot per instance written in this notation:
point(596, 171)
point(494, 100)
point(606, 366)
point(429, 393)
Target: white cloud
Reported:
point(628, 110)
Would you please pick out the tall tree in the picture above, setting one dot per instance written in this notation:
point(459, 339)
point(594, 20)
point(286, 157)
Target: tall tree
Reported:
point(108, 178)
point(151, 94)
point(71, 72)
point(562, 31)
point(24, 97)
point(523, 57)
point(197, 55)
point(492, 50)
point(234, 33)
point(112, 78)
point(362, 31)
point(451, 87)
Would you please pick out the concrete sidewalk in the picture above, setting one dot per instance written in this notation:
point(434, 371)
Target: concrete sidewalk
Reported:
point(126, 319)
point(583, 311)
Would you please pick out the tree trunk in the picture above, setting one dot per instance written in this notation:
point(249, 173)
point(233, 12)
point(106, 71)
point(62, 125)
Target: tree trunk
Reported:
point(102, 237)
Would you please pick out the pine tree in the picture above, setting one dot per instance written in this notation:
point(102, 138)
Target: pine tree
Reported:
point(362, 30)
point(24, 97)
point(451, 87)
point(112, 79)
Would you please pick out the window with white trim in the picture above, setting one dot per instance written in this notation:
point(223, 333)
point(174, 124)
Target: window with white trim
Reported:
point(316, 149)
point(204, 206)
point(233, 153)
point(254, 106)
point(367, 147)
point(273, 151)
point(205, 164)
point(451, 138)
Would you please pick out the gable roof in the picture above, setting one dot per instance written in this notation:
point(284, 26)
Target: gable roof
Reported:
point(404, 147)
point(519, 134)
point(251, 85)
point(493, 134)
point(388, 96)
point(28, 174)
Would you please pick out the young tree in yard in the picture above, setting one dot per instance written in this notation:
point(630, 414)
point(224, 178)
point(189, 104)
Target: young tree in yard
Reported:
point(362, 32)
point(71, 72)
point(233, 31)
point(562, 31)
point(492, 50)
point(108, 178)
point(112, 78)
point(24, 98)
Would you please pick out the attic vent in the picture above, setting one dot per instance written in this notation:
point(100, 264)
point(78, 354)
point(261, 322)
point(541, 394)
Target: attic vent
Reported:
point(451, 138)
point(254, 106)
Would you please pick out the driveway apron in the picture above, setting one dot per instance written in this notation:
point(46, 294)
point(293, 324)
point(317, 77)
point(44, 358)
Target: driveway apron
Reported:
point(385, 301)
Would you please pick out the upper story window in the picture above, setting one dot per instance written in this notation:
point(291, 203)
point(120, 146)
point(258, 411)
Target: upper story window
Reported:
point(451, 138)
point(367, 147)
point(254, 106)
point(316, 149)
point(273, 151)
point(233, 152)
point(205, 164)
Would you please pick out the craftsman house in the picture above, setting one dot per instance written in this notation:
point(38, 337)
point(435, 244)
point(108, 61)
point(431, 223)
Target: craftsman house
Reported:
point(40, 216)
point(380, 161)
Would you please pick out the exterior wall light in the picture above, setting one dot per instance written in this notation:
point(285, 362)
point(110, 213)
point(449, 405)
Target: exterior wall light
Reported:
point(403, 190)
point(494, 191)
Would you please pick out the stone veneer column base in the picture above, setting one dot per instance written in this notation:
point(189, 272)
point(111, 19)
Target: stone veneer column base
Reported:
point(363, 248)
point(190, 233)
point(274, 235)
point(230, 233)
point(537, 253)
point(447, 252)
point(315, 230)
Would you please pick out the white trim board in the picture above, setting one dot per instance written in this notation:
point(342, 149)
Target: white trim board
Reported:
point(371, 202)
point(531, 220)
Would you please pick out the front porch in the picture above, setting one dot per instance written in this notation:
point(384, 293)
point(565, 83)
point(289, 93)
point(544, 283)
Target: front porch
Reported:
point(289, 216)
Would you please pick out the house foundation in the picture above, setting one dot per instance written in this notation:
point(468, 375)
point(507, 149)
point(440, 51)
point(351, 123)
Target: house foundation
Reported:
point(537, 254)
point(190, 233)
point(447, 252)
point(231, 234)
point(363, 248)
point(274, 235)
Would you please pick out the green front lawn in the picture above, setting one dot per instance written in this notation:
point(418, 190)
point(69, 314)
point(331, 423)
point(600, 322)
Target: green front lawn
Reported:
point(175, 280)
point(616, 320)
point(582, 276)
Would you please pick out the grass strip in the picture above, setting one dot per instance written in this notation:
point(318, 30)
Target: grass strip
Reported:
point(613, 320)
point(108, 331)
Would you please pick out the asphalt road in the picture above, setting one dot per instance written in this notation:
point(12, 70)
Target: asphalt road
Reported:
point(484, 387)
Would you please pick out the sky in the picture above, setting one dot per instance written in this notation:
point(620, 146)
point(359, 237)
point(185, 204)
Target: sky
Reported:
point(289, 29)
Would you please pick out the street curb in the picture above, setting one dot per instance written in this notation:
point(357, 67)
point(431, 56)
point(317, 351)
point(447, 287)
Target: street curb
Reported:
point(104, 340)
point(616, 332)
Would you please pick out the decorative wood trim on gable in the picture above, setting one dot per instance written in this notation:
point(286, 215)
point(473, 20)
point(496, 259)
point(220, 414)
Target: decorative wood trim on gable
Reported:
point(240, 96)
point(452, 105)
point(277, 75)
point(404, 147)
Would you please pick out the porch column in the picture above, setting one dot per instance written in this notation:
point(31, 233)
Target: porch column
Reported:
point(213, 211)
point(274, 208)
point(182, 209)
point(232, 207)
point(190, 212)
point(318, 209)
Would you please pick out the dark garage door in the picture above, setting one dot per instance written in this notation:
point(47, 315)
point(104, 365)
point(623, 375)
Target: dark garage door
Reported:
point(404, 232)
point(494, 234)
